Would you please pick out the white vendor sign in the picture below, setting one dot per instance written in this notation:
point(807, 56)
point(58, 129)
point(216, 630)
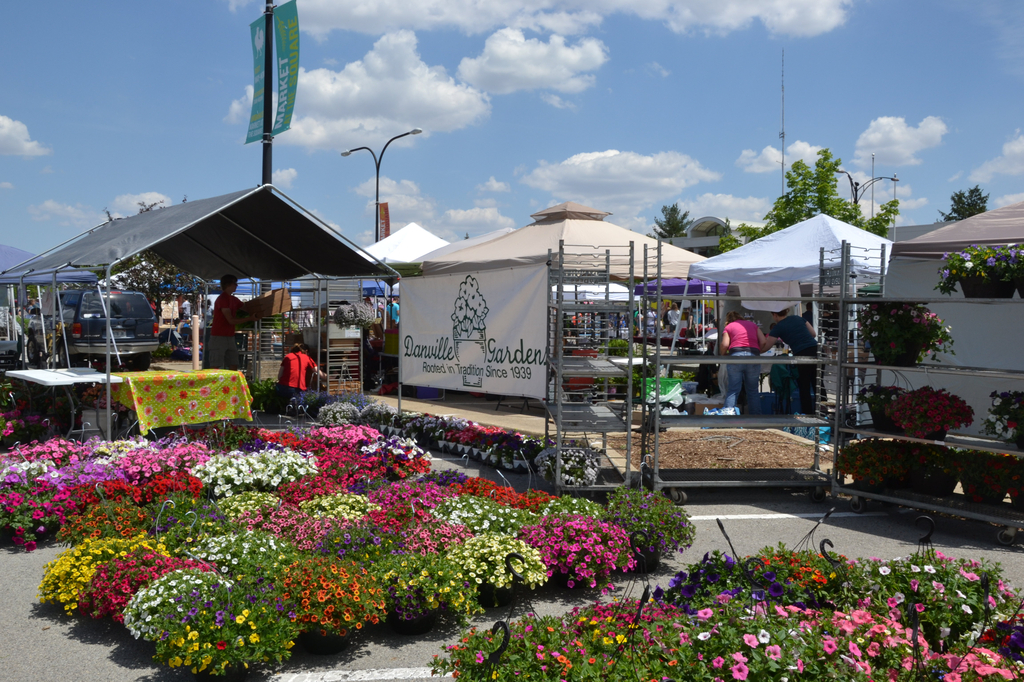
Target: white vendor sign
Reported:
point(483, 332)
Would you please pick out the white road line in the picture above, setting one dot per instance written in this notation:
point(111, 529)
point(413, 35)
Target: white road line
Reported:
point(758, 517)
point(357, 675)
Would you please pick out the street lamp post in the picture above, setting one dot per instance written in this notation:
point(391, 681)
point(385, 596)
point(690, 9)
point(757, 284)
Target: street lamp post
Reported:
point(857, 189)
point(376, 163)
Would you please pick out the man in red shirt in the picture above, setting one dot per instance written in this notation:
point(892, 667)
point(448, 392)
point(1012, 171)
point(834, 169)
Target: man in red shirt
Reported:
point(222, 350)
point(296, 370)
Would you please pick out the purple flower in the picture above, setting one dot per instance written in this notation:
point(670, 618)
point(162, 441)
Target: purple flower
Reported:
point(776, 589)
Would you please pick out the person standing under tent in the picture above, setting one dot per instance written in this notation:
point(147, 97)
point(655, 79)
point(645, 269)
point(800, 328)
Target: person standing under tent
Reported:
point(742, 338)
point(186, 310)
point(392, 311)
point(222, 350)
point(798, 334)
point(673, 316)
point(296, 370)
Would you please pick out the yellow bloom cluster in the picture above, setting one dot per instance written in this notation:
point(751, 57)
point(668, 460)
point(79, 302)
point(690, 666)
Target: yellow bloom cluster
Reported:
point(65, 577)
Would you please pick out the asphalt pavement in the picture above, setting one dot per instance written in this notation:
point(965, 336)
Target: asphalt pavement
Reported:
point(39, 642)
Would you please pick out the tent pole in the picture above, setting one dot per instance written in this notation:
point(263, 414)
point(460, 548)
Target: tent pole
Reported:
point(268, 71)
point(109, 431)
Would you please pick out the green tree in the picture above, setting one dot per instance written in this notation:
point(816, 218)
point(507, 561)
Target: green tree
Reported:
point(673, 223)
point(813, 191)
point(965, 203)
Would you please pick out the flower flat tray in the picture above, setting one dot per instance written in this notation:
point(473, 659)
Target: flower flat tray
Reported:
point(956, 504)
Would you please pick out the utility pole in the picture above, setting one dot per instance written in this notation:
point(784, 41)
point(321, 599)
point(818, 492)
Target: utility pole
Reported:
point(782, 135)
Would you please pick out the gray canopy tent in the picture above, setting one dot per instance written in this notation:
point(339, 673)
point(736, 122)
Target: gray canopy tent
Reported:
point(257, 233)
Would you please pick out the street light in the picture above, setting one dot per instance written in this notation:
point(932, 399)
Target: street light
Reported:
point(376, 163)
point(857, 189)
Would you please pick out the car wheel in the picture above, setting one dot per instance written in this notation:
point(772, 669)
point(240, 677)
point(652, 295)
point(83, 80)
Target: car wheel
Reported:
point(140, 362)
point(35, 355)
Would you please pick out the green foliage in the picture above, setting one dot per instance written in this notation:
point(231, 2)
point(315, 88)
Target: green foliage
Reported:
point(813, 191)
point(162, 351)
point(965, 203)
point(673, 223)
point(265, 396)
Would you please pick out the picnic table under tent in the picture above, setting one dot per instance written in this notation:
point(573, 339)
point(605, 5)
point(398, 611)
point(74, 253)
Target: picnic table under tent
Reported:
point(766, 275)
point(259, 234)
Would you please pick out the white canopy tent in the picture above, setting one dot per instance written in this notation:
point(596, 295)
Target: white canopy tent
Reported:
point(580, 228)
point(406, 245)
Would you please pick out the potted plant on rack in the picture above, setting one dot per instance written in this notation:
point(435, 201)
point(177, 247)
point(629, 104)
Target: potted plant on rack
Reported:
point(875, 464)
point(666, 526)
point(987, 477)
point(1006, 417)
point(929, 413)
point(486, 559)
point(878, 400)
point(579, 466)
point(902, 334)
point(934, 469)
point(981, 272)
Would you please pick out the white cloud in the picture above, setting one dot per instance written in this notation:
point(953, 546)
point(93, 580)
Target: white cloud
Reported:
point(405, 202)
point(557, 102)
point(6, 185)
point(956, 176)
point(284, 177)
point(1011, 162)
point(1007, 199)
point(785, 17)
point(389, 91)
point(658, 70)
point(240, 108)
point(15, 140)
point(624, 183)
point(770, 158)
point(493, 185)
point(510, 62)
point(66, 214)
point(128, 204)
point(736, 209)
point(894, 143)
point(456, 223)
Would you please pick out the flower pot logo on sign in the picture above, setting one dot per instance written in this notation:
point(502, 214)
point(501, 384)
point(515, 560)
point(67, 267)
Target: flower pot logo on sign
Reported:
point(469, 330)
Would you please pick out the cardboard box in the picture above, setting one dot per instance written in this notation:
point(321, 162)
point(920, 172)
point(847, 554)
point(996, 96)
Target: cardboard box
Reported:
point(272, 303)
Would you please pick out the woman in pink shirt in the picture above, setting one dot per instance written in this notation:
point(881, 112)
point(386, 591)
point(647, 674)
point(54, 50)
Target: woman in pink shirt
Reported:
point(742, 338)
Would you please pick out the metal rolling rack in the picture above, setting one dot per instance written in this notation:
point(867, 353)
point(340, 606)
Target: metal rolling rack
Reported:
point(578, 400)
point(848, 425)
point(674, 481)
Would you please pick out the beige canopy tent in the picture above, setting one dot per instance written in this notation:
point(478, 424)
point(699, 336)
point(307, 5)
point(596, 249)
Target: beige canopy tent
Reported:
point(582, 229)
point(994, 228)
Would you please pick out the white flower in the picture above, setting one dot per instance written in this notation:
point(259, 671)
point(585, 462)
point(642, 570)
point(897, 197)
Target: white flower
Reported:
point(915, 569)
point(884, 570)
point(943, 633)
point(763, 637)
point(929, 569)
point(966, 608)
point(704, 636)
point(899, 597)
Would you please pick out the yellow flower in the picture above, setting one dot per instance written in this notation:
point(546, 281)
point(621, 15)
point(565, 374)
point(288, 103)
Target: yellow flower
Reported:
point(254, 638)
point(194, 634)
point(239, 619)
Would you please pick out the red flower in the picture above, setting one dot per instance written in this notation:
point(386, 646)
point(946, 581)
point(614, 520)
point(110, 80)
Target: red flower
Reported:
point(222, 645)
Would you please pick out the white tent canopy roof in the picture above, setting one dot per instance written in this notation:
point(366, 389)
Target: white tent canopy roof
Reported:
point(793, 253)
point(406, 245)
point(566, 222)
point(466, 243)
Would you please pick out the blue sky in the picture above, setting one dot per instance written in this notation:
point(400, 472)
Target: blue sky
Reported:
point(622, 105)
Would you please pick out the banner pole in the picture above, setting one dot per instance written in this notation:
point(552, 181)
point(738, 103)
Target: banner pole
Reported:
point(268, 66)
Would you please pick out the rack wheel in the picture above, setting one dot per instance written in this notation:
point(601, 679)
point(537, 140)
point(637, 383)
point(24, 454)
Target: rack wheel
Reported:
point(858, 505)
point(818, 494)
point(1006, 536)
point(677, 495)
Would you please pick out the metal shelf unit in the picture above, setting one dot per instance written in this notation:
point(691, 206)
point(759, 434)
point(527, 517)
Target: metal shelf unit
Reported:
point(583, 398)
point(675, 480)
point(848, 426)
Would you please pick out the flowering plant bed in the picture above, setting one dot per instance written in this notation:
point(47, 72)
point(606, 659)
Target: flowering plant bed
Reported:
point(586, 549)
point(903, 330)
point(990, 476)
point(415, 585)
point(483, 559)
point(332, 595)
point(482, 515)
point(926, 410)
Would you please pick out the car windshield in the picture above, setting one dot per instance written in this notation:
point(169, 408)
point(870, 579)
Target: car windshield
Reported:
point(121, 306)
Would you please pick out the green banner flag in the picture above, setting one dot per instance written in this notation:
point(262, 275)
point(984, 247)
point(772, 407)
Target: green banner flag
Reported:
point(286, 28)
point(259, 43)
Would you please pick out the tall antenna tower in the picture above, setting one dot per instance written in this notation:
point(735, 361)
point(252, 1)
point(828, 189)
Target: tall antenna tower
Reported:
point(782, 135)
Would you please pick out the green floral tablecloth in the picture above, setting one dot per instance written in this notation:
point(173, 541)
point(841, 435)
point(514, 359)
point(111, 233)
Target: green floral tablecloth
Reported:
point(175, 398)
